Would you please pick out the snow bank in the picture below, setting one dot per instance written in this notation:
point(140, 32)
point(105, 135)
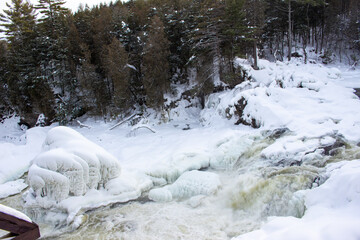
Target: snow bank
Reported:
point(305, 98)
point(189, 184)
point(332, 210)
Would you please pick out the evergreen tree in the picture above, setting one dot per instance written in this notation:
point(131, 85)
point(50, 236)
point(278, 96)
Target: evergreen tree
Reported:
point(115, 64)
point(155, 65)
point(92, 93)
point(236, 31)
point(255, 15)
point(29, 94)
point(178, 24)
point(207, 43)
point(5, 105)
point(54, 56)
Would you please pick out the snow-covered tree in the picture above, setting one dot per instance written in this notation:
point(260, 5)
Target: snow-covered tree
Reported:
point(29, 93)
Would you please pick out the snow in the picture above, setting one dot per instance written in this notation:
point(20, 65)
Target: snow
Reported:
point(197, 164)
point(101, 165)
point(304, 98)
point(12, 187)
point(17, 153)
point(71, 165)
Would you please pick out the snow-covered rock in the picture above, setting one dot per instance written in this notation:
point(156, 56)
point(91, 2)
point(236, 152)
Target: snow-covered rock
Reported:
point(307, 99)
point(189, 184)
point(70, 165)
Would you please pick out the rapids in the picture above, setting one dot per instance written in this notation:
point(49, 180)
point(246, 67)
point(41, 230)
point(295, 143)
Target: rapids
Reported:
point(253, 188)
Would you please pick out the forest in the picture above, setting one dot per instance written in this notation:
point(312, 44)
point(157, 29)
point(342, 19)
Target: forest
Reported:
point(125, 57)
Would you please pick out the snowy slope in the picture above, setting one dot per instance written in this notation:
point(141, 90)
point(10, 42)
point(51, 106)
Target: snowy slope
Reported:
point(307, 99)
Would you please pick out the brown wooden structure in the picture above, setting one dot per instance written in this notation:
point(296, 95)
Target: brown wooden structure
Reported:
point(18, 229)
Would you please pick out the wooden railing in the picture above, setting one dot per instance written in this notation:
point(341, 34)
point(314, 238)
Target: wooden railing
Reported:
point(18, 229)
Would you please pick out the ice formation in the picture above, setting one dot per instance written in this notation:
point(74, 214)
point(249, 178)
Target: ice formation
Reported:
point(189, 184)
point(70, 165)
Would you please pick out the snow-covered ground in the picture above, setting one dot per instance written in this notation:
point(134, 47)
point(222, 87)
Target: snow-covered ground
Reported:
point(209, 178)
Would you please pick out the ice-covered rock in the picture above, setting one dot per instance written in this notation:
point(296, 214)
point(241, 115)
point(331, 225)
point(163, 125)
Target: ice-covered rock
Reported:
point(178, 164)
point(189, 184)
point(70, 165)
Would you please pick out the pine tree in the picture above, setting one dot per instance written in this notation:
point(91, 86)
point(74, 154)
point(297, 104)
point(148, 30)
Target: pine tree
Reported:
point(178, 24)
point(115, 64)
point(155, 65)
point(53, 31)
point(29, 94)
point(54, 56)
point(255, 15)
point(134, 41)
point(207, 42)
point(5, 105)
point(93, 97)
point(235, 30)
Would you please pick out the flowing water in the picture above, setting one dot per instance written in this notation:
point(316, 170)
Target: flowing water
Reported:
point(240, 206)
point(252, 190)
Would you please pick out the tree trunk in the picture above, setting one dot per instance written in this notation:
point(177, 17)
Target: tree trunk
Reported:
point(289, 31)
point(255, 56)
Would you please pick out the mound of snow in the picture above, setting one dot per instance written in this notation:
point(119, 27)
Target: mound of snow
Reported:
point(70, 165)
point(332, 210)
point(189, 184)
point(305, 98)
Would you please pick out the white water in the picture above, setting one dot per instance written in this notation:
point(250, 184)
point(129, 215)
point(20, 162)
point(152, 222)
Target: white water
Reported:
point(252, 190)
point(239, 207)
